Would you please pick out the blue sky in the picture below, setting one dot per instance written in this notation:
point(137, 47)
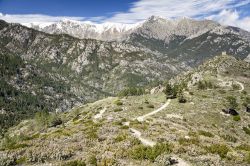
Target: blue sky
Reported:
point(83, 8)
point(228, 12)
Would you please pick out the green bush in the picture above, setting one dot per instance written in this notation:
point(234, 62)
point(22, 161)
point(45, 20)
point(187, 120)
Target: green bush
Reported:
point(236, 118)
point(229, 138)
point(45, 119)
point(150, 106)
point(21, 160)
point(244, 147)
point(124, 127)
point(55, 120)
point(118, 102)
point(246, 101)
point(248, 158)
point(247, 130)
point(205, 133)
point(231, 102)
point(120, 138)
point(171, 91)
point(9, 143)
point(42, 118)
point(187, 142)
point(117, 109)
point(141, 152)
point(93, 160)
point(219, 149)
point(135, 141)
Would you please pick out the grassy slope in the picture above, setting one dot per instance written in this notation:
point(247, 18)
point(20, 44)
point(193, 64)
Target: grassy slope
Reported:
point(196, 131)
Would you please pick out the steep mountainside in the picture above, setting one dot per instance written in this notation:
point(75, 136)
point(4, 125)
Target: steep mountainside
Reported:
point(148, 129)
point(65, 71)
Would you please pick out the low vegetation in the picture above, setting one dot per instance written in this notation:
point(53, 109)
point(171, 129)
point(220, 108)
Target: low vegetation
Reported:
point(219, 149)
point(204, 84)
point(131, 91)
point(141, 152)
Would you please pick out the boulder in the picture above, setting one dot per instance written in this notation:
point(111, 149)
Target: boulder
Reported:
point(248, 109)
point(230, 111)
point(233, 112)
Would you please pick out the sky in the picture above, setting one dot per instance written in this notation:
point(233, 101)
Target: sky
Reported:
point(227, 12)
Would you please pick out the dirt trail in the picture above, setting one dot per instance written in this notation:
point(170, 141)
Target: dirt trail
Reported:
point(137, 133)
point(230, 83)
point(99, 115)
point(141, 118)
point(144, 141)
point(241, 85)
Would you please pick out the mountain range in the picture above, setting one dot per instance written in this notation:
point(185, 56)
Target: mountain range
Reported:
point(68, 63)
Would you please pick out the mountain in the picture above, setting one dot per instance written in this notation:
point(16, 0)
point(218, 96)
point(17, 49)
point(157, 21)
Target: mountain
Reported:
point(61, 71)
point(147, 129)
point(86, 30)
point(182, 37)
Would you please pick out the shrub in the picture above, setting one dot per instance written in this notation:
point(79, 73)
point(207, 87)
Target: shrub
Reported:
point(91, 132)
point(172, 91)
point(9, 143)
point(42, 118)
point(118, 109)
point(120, 138)
point(205, 133)
point(236, 118)
point(246, 101)
point(21, 160)
point(247, 130)
point(141, 152)
point(231, 102)
point(135, 141)
point(244, 147)
point(229, 138)
point(150, 106)
point(93, 160)
point(219, 149)
point(75, 163)
point(118, 102)
point(187, 142)
point(55, 121)
point(124, 127)
point(141, 108)
point(248, 158)
point(235, 87)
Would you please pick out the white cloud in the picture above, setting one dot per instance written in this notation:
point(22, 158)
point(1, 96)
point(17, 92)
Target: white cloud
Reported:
point(143, 9)
point(230, 17)
point(222, 11)
point(38, 18)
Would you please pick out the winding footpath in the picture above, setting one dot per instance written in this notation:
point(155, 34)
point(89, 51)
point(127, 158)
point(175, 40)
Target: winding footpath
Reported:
point(98, 116)
point(141, 118)
point(241, 85)
point(231, 82)
point(138, 134)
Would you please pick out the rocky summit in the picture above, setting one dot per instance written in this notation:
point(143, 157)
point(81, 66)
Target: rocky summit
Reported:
point(159, 92)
